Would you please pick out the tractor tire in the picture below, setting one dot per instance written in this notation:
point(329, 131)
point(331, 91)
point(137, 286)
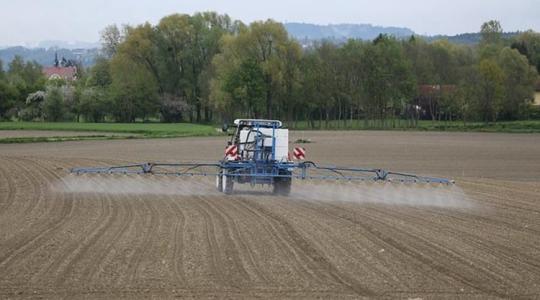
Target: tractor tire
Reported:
point(219, 181)
point(282, 186)
point(227, 183)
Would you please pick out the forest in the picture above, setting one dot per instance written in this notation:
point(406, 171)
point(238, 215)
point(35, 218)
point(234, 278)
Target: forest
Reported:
point(208, 68)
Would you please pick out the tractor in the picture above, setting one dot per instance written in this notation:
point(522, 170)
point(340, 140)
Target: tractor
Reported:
point(258, 153)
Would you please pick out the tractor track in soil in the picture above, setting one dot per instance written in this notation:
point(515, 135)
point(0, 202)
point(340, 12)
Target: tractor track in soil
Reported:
point(390, 237)
point(57, 244)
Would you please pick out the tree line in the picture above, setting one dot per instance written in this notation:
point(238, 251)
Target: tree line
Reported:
point(207, 67)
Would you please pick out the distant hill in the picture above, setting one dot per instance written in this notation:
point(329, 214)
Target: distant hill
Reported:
point(305, 33)
point(45, 56)
point(343, 32)
point(68, 45)
point(465, 38)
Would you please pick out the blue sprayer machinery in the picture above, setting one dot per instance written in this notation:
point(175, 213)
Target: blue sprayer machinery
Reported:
point(258, 154)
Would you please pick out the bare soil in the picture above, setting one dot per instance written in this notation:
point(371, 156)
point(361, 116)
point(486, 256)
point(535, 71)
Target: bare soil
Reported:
point(56, 244)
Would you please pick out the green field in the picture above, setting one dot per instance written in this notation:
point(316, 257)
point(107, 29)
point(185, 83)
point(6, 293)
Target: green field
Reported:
point(118, 130)
point(532, 126)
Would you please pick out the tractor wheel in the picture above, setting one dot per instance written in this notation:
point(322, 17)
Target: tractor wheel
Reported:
point(227, 183)
point(282, 186)
point(219, 181)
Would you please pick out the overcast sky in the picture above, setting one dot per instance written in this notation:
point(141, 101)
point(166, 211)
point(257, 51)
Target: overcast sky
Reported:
point(30, 21)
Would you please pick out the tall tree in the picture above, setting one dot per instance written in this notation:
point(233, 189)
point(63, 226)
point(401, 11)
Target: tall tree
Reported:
point(519, 83)
point(94, 104)
point(54, 105)
point(390, 80)
point(134, 90)
point(178, 54)
point(8, 95)
point(491, 42)
point(100, 73)
point(490, 89)
point(25, 77)
point(491, 32)
point(528, 44)
point(111, 37)
point(264, 43)
point(310, 97)
point(328, 80)
point(289, 104)
point(141, 48)
point(352, 69)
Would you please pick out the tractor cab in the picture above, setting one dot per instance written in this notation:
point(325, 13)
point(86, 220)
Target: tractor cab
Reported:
point(258, 140)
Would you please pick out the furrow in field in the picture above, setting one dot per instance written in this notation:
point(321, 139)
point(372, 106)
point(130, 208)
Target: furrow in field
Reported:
point(499, 245)
point(13, 221)
point(498, 254)
point(357, 255)
point(179, 244)
point(119, 245)
point(68, 269)
point(399, 264)
point(35, 191)
point(151, 214)
point(214, 247)
point(112, 254)
point(358, 252)
point(239, 220)
point(7, 186)
point(27, 242)
point(480, 219)
point(519, 187)
point(291, 260)
point(155, 267)
point(48, 202)
point(497, 195)
point(108, 245)
point(315, 259)
point(268, 253)
point(229, 238)
point(196, 262)
point(446, 261)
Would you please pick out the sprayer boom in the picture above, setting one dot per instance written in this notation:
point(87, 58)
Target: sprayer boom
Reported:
point(302, 170)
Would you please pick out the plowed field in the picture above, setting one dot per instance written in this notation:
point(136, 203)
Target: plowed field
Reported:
point(153, 238)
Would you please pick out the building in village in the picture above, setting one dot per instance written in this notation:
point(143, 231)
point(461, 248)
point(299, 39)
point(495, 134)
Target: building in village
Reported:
point(62, 69)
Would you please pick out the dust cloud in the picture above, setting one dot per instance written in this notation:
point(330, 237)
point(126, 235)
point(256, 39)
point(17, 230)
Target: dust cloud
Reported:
point(450, 196)
point(136, 185)
point(413, 194)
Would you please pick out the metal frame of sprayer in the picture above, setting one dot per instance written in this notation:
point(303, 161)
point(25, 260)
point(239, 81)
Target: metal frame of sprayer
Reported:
point(256, 163)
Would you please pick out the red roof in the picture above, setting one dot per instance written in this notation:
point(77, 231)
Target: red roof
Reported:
point(66, 73)
point(433, 90)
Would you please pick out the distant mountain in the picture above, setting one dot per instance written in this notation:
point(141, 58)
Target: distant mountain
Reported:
point(45, 56)
point(343, 32)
